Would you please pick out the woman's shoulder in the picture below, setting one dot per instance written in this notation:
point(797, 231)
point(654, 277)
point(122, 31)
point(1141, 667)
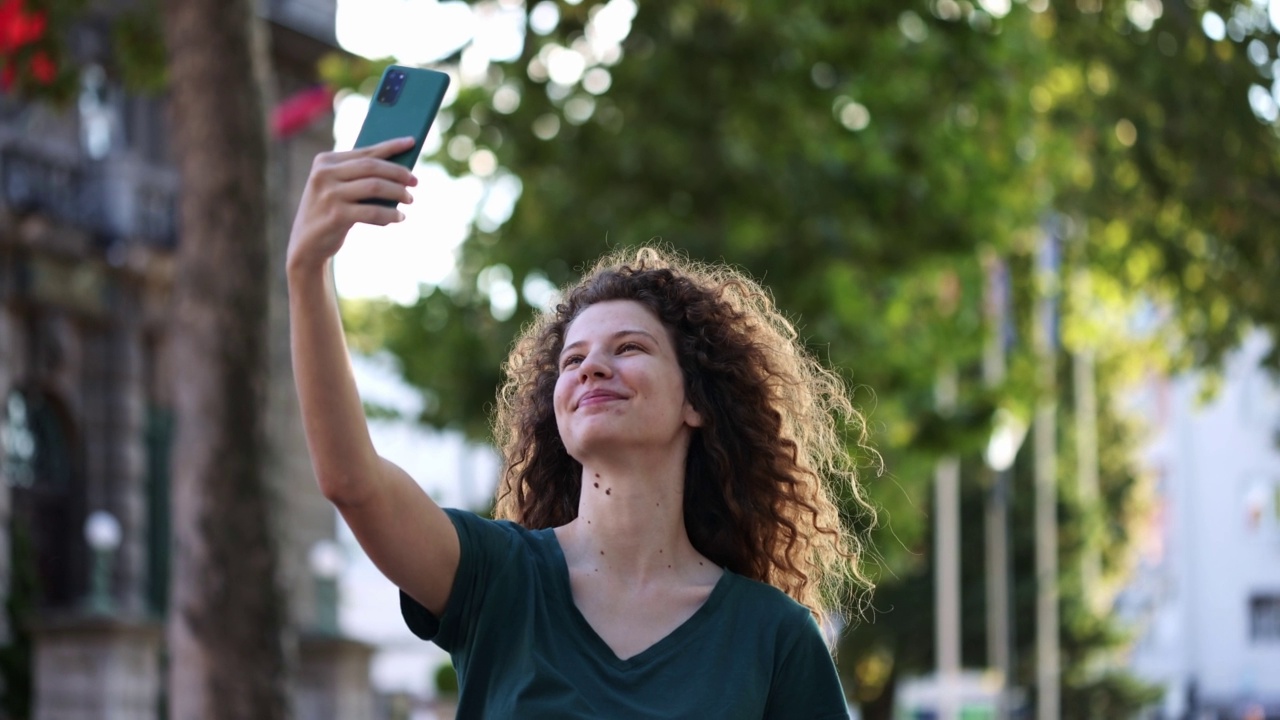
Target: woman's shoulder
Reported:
point(473, 519)
point(497, 558)
point(483, 530)
point(763, 603)
point(768, 622)
point(476, 522)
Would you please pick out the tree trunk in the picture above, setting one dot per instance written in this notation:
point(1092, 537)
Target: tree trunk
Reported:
point(226, 621)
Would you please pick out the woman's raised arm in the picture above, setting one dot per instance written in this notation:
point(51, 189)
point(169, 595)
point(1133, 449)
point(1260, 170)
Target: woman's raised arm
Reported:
point(407, 536)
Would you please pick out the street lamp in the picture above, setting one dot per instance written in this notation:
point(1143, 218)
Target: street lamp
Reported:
point(1006, 439)
point(1002, 449)
point(102, 532)
point(327, 562)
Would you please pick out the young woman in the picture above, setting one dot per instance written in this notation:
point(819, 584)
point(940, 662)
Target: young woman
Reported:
point(667, 534)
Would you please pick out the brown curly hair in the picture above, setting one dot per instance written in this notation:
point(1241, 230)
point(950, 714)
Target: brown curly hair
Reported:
point(762, 471)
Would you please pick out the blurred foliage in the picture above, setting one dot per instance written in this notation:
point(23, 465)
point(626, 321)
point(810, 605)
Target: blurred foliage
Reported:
point(35, 59)
point(46, 44)
point(138, 49)
point(446, 680)
point(1109, 695)
point(351, 72)
point(863, 159)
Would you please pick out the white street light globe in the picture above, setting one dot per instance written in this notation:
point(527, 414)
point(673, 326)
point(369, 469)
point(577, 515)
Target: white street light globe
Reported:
point(1006, 438)
point(326, 559)
point(102, 531)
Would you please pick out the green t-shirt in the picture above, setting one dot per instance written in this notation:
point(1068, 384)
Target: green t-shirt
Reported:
point(523, 650)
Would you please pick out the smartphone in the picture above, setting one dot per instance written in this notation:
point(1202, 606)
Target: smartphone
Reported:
point(405, 104)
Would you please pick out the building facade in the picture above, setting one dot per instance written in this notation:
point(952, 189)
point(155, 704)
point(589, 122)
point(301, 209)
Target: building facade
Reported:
point(1206, 600)
point(88, 231)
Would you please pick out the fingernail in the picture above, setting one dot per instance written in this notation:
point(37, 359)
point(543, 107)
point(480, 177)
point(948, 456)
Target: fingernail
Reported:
point(399, 216)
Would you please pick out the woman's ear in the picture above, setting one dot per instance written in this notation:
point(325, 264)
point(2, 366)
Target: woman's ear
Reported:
point(692, 417)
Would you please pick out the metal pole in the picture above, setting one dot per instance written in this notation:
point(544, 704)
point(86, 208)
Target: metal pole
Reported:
point(1048, 703)
point(947, 552)
point(1086, 402)
point(999, 613)
point(1047, 662)
point(996, 510)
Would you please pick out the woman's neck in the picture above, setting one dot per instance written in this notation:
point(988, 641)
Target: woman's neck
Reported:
point(631, 522)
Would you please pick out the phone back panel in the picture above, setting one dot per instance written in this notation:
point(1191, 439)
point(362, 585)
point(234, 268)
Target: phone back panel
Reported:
point(411, 114)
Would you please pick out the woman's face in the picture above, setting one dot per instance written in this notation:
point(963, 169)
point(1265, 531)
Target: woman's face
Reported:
point(620, 386)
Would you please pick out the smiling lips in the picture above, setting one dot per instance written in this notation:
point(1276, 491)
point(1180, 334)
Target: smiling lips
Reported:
point(595, 397)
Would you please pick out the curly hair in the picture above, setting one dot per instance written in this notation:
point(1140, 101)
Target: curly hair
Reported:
point(764, 470)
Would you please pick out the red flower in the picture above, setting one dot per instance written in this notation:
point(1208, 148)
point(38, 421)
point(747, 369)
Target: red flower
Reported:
point(299, 110)
point(43, 68)
point(18, 28)
point(10, 12)
point(7, 76)
point(31, 28)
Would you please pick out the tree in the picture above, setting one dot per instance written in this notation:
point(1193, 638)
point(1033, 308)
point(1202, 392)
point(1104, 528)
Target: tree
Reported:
point(860, 157)
point(227, 613)
point(1175, 144)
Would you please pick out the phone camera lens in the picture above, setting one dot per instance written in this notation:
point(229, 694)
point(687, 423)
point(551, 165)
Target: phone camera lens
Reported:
point(391, 87)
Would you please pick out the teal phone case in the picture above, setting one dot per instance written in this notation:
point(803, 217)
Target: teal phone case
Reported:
point(408, 111)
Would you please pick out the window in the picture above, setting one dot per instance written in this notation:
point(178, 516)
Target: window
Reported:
point(1264, 618)
point(34, 443)
point(37, 441)
point(159, 545)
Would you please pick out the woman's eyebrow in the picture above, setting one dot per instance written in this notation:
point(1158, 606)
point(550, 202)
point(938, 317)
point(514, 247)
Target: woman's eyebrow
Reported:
point(614, 336)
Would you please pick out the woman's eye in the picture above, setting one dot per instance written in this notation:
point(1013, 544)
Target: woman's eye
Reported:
point(627, 347)
point(570, 361)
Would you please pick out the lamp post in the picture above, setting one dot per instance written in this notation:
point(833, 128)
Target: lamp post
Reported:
point(1006, 440)
point(102, 532)
point(1045, 345)
point(1002, 449)
point(947, 552)
point(326, 561)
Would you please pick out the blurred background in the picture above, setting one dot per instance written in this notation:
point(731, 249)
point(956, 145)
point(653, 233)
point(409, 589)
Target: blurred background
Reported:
point(1039, 239)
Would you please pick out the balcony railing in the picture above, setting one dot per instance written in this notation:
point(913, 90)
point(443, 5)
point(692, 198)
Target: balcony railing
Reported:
point(314, 18)
point(113, 200)
point(35, 183)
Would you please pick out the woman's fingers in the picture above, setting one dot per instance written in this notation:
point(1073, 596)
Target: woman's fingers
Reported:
point(352, 168)
point(331, 202)
point(385, 149)
point(340, 181)
point(347, 214)
point(374, 215)
point(357, 175)
point(365, 188)
point(367, 159)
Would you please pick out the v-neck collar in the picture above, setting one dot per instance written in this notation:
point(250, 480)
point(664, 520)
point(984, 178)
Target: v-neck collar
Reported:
point(596, 644)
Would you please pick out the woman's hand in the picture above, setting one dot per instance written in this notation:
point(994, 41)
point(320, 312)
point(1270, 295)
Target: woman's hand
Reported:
point(331, 200)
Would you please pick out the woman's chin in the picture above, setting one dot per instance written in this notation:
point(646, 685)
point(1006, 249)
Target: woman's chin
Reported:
point(603, 440)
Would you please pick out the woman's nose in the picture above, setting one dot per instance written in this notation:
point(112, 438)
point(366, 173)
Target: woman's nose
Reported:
point(593, 365)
